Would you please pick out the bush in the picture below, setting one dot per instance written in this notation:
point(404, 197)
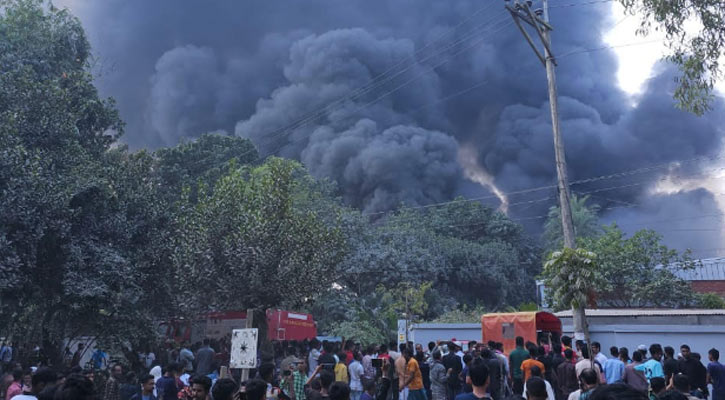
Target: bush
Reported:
point(711, 301)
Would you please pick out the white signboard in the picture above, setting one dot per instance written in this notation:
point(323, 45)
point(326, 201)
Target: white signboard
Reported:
point(244, 348)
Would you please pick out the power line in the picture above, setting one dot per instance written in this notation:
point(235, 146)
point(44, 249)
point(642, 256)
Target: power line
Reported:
point(621, 174)
point(584, 3)
point(571, 53)
point(451, 96)
point(661, 221)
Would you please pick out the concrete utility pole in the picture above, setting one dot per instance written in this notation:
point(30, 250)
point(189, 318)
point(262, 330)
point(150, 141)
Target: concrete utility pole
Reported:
point(521, 11)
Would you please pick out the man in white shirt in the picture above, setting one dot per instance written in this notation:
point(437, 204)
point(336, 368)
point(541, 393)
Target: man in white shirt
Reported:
point(356, 372)
point(585, 363)
point(313, 358)
point(597, 353)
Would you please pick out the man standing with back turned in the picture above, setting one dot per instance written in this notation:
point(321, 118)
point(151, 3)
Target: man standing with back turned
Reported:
point(515, 359)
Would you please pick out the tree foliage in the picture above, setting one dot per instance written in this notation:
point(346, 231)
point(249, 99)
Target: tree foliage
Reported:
point(68, 218)
point(200, 163)
point(463, 314)
point(572, 276)
point(698, 53)
point(711, 301)
point(248, 244)
point(472, 254)
point(469, 254)
point(586, 223)
point(639, 271)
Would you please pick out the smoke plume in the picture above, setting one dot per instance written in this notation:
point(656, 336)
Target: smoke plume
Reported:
point(461, 74)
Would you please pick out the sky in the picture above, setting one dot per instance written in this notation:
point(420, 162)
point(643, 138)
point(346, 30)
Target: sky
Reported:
point(636, 55)
point(454, 104)
point(636, 64)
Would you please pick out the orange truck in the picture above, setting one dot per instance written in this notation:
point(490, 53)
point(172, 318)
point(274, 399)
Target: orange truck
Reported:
point(505, 327)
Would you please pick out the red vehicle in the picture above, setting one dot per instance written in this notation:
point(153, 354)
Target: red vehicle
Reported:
point(282, 325)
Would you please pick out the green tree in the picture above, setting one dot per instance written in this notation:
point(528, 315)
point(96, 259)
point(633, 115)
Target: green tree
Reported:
point(201, 162)
point(77, 219)
point(639, 271)
point(572, 275)
point(249, 245)
point(698, 53)
point(470, 255)
point(463, 314)
point(586, 223)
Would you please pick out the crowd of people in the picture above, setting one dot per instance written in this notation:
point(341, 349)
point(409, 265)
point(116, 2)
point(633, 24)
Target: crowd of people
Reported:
point(313, 370)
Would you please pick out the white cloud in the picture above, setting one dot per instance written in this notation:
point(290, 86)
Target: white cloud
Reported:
point(636, 54)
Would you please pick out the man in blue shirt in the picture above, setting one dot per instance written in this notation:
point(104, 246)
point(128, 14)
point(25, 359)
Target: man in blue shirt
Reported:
point(653, 367)
point(99, 359)
point(613, 367)
point(716, 375)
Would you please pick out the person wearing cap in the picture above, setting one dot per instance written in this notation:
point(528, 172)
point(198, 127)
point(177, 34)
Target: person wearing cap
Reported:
point(642, 349)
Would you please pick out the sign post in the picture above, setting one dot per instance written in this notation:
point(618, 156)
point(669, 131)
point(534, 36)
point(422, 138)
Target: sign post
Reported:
point(244, 347)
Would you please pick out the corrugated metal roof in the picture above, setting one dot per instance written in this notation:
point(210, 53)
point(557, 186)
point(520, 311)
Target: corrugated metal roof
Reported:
point(633, 312)
point(711, 269)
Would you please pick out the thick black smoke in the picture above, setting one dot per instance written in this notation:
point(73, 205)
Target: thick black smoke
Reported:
point(182, 68)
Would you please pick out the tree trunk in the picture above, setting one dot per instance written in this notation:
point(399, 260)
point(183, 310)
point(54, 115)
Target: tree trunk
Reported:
point(260, 322)
point(581, 329)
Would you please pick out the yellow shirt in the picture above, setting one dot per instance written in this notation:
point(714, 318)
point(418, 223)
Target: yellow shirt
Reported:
point(341, 373)
point(413, 369)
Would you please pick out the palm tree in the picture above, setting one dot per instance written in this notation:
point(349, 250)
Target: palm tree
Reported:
point(586, 223)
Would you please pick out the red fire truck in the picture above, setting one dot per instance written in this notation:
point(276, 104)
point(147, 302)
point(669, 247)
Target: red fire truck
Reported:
point(282, 325)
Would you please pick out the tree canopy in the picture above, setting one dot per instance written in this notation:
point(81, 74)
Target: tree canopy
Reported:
point(250, 246)
point(639, 271)
point(586, 223)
